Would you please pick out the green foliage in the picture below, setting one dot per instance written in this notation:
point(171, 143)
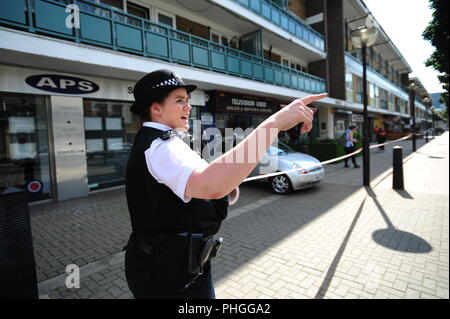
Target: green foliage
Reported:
point(437, 33)
point(325, 141)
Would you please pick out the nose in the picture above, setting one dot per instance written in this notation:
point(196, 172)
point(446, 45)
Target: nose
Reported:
point(187, 106)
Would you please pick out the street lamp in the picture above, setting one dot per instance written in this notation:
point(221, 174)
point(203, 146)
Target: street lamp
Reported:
point(412, 87)
point(362, 38)
point(426, 100)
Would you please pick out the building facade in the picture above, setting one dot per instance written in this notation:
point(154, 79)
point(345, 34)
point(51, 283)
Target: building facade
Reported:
point(67, 69)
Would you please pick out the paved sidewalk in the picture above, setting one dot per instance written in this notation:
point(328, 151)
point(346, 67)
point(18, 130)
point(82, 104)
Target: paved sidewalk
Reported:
point(338, 240)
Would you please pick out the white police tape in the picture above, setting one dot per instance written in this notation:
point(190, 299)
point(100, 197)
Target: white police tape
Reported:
point(326, 162)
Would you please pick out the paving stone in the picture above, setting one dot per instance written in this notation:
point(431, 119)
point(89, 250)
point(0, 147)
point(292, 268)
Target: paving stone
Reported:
point(311, 243)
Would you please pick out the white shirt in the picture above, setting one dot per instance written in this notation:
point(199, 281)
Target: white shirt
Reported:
point(172, 161)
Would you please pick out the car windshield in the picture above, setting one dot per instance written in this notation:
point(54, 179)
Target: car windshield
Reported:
point(279, 149)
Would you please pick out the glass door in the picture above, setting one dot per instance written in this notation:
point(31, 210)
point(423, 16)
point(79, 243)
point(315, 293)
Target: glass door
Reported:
point(24, 148)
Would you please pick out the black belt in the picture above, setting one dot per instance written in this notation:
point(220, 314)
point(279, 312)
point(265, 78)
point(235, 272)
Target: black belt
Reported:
point(191, 250)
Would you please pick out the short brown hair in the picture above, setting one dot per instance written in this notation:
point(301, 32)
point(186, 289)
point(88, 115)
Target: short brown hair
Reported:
point(146, 115)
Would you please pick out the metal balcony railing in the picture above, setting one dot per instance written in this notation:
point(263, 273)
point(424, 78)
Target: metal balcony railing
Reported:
point(104, 26)
point(285, 20)
point(350, 59)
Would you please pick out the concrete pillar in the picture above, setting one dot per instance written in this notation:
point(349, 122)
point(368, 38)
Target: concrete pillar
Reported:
point(335, 39)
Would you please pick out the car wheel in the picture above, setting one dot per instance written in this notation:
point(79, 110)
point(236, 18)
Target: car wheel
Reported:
point(281, 184)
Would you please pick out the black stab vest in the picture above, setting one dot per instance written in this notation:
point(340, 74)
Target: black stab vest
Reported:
point(154, 209)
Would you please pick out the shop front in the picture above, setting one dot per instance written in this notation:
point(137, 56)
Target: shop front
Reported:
point(24, 145)
point(235, 110)
point(393, 124)
point(341, 120)
point(63, 135)
point(357, 119)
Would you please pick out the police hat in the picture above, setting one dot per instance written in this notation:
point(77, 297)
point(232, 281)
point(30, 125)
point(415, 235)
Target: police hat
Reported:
point(155, 85)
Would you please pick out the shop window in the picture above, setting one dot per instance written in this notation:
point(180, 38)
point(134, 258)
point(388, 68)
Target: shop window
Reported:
point(109, 131)
point(24, 151)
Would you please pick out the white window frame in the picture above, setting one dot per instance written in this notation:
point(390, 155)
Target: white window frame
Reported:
point(149, 11)
point(213, 32)
point(124, 4)
point(158, 11)
point(220, 35)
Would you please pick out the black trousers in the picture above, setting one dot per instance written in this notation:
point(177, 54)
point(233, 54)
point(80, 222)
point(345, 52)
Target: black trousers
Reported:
point(349, 150)
point(381, 140)
point(148, 279)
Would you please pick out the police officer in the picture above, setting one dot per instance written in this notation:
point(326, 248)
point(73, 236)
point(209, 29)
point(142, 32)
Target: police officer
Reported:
point(177, 200)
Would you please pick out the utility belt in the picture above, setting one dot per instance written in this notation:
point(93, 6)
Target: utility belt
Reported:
point(188, 250)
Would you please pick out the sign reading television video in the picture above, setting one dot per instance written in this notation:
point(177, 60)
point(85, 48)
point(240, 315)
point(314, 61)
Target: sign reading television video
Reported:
point(247, 104)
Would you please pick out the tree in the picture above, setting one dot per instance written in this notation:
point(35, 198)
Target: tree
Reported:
point(438, 34)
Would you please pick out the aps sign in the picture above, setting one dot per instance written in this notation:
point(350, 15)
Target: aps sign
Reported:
point(61, 84)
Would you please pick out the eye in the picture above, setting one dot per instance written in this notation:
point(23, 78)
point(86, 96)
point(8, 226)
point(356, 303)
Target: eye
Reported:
point(183, 101)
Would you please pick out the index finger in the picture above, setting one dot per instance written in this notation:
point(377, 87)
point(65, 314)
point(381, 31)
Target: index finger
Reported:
point(311, 98)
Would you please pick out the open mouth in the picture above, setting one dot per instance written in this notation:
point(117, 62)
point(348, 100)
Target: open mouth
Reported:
point(184, 118)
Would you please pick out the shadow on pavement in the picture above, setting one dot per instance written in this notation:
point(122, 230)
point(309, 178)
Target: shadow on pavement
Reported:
point(331, 271)
point(403, 193)
point(397, 239)
point(253, 234)
point(82, 231)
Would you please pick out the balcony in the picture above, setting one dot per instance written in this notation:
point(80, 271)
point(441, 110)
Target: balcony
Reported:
point(285, 20)
point(103, 26)
point(356, 65)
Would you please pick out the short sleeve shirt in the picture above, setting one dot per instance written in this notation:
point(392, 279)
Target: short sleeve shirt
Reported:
point(172, 161)
point(349, 141)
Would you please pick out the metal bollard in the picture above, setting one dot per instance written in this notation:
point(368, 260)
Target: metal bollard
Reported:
point(397, 178)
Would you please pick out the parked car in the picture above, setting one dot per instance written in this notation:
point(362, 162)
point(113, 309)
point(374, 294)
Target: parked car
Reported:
point(280, 157)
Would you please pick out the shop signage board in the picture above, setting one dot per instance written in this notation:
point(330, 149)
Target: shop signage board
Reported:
point(35, 81)
point(246, 104)
point(57, 83)
point(357, 118)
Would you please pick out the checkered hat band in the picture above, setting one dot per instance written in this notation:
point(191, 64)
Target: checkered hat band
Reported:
point(171, 81)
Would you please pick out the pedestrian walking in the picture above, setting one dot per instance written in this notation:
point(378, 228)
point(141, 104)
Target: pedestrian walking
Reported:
point(350, 146)
point(381, 138)
point(177, 200)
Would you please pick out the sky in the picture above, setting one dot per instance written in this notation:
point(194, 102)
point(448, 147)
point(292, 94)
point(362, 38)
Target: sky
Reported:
point(404, 21)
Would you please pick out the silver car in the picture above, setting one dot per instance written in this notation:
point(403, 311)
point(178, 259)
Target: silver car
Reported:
point(280, 157)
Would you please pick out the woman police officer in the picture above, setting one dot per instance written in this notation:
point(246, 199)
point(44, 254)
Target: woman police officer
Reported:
point(177, 200)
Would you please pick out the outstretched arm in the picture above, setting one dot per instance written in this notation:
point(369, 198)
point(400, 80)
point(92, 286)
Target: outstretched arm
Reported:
point(226, 172)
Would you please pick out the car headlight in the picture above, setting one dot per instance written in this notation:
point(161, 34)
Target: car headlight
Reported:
point(299, 170)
